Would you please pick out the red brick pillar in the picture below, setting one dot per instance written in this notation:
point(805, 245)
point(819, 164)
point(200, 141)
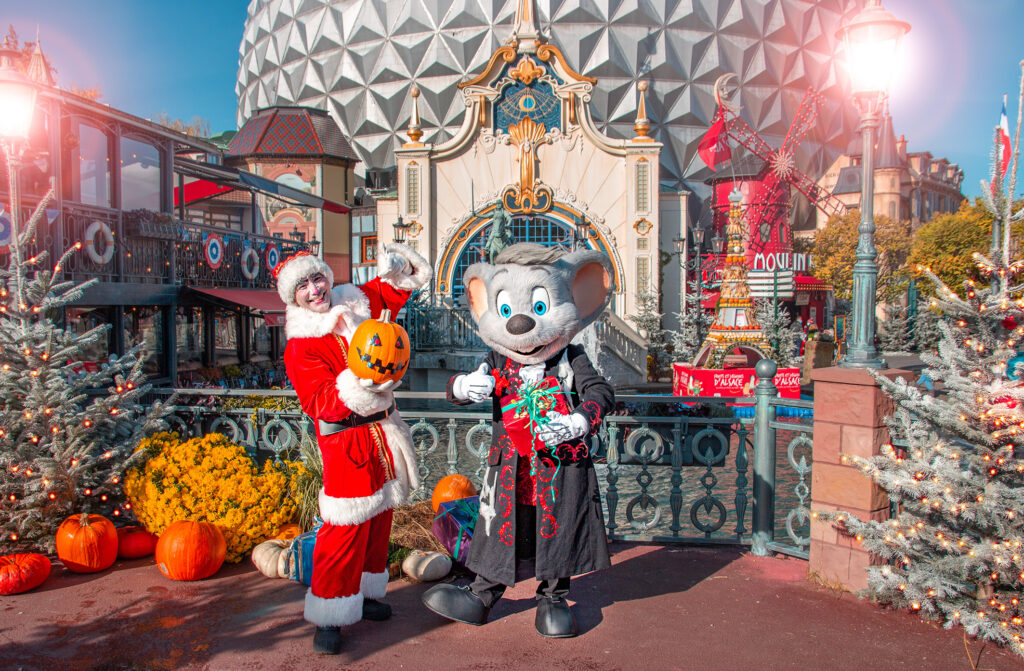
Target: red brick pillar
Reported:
point(849, 413)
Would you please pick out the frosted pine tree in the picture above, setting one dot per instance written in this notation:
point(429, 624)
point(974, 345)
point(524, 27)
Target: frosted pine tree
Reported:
point(926, 333)
point(648, 322)
point(66, 437)
point(896, 335)
point(954, 552)
point(693, 327)
point(776, 325)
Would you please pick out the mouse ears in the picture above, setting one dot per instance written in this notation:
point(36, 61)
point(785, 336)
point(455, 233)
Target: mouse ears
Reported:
point(590, 278)
point(587, 273)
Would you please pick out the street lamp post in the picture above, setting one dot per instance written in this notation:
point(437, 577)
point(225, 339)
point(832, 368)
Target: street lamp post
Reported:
point(401, 231)
point(687, 265)
point(17, 107)
point(871, 41)
point(581, 232)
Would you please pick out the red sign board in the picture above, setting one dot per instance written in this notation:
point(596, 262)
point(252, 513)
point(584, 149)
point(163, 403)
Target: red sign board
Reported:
point(687, 381)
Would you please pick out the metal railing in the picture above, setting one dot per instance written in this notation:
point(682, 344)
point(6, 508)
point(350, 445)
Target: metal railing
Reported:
point(671, 469)
point(151, 248)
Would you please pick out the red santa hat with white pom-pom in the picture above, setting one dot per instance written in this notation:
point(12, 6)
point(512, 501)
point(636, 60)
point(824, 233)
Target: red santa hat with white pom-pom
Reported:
point(293, 270)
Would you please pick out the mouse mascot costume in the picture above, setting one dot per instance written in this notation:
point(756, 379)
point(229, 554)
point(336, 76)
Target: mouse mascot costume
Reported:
point(368, 459)
point(540, 507)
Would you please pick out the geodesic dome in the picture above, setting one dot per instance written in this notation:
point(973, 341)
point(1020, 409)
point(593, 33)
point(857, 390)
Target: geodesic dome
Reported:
point(358, 59)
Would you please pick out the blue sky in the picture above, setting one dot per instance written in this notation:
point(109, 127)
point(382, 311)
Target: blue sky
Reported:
point(961, 56)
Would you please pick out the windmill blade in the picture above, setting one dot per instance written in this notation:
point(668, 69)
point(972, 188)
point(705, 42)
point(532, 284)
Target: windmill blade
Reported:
point(740, 130)
point(769, 207)
point(819, 197)
point(806, 114)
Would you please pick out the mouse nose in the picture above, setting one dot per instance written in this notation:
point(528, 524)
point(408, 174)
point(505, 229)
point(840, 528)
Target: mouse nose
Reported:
point(520, 324)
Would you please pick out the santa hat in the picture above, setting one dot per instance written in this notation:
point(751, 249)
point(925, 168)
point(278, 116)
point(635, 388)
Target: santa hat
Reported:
point(293, 270)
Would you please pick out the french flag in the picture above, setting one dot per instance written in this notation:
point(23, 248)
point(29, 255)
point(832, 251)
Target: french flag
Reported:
point(1003, 132)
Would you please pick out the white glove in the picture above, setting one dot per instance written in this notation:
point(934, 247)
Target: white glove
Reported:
point(476, 386)
point(532, 374)
point(562, 428)
point(392, 265)
point(370, 385)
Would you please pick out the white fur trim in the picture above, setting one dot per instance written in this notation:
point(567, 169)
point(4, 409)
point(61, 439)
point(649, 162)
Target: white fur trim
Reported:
point(416, 274)
point(374, 585)
point(403, 452)
point(345, 511)
point(337, 612)
point(358, 398)
point(303, 323)
point(296, 269)
point(354, 305)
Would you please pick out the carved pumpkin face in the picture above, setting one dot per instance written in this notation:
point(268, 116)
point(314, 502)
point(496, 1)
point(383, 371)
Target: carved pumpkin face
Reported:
point(379, 350)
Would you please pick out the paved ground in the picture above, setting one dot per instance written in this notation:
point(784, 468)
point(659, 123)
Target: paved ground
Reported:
point(656, 608)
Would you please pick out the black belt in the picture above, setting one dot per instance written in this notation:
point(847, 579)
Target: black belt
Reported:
point(352, 421)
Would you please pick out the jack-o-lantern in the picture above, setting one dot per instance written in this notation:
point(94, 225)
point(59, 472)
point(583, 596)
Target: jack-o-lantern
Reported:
point(379, 350)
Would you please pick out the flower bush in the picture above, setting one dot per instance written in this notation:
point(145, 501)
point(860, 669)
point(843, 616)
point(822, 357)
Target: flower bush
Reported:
point(211, 479)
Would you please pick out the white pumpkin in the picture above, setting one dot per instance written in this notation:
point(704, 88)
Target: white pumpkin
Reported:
point(427, 566)
point(273, 558)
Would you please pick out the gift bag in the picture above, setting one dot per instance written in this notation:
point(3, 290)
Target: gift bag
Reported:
point(302, 555)
point(453, 526)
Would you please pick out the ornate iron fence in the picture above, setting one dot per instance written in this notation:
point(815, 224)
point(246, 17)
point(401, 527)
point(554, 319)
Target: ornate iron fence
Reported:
point(671, 469)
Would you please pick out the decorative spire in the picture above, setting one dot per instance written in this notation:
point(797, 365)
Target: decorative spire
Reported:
point(414, 131)
point(642, 125)
point(38, 71)
point(525, 31)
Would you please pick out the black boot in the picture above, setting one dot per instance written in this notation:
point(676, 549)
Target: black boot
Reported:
point(327, 640)
point(554, 618)
point(456, 603)
point(377, 611)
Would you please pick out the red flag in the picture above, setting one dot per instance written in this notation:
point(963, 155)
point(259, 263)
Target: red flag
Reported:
point(714, 146)
point(1004, 141)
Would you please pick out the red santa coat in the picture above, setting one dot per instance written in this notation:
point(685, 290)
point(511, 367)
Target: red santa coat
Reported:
point(368, 468)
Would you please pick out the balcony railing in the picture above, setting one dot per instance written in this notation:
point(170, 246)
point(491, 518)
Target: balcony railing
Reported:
point(670, 469)
point(152, 248)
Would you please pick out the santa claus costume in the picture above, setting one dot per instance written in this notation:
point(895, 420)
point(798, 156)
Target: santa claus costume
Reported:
point(369, 463)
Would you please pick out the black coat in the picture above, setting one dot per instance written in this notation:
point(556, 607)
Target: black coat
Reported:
point(570, 529)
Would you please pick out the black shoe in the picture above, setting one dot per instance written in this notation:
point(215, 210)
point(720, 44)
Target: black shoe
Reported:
point(554, 618)
point(456, 603)
point(377, 611)
point(327, 640)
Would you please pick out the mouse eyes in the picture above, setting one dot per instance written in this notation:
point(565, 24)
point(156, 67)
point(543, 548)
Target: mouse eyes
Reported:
point(539, 299)
point(504, 304)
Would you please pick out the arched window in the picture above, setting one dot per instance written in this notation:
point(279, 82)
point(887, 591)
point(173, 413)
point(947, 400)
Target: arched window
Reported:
point(90, 165)
point(537, 228)
point(412, 188)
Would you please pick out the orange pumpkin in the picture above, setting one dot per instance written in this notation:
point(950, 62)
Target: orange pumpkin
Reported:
point(288, 532)
point(22, 572)
point(87, 543)
point(451, 488)
point(379, 350)
point(134, 542)
point(190, 550)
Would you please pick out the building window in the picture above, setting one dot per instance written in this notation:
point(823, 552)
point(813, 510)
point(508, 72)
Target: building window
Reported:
point(641, 244)
point(642, 185)
point(144, 326)
point(91, 181)
point(892, 211)
point(189, 325)
point(643, 274)
point(140, 175)
point(412, 189)
point(369, 251)
point(80, 321)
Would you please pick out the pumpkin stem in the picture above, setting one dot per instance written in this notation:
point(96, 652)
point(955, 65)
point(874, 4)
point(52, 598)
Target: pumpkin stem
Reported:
point(84, 520)
point(385, 316)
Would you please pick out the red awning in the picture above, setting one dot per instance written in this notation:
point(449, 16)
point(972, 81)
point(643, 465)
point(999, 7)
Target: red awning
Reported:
point(264, 301)
point(811, 283)
point(198, 190)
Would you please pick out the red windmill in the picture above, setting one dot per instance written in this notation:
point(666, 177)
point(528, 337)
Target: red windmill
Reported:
point(768, 212)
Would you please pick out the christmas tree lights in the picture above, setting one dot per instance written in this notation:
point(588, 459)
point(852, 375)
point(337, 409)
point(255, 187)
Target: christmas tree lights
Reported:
point(66, 436)
point(953, 551)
